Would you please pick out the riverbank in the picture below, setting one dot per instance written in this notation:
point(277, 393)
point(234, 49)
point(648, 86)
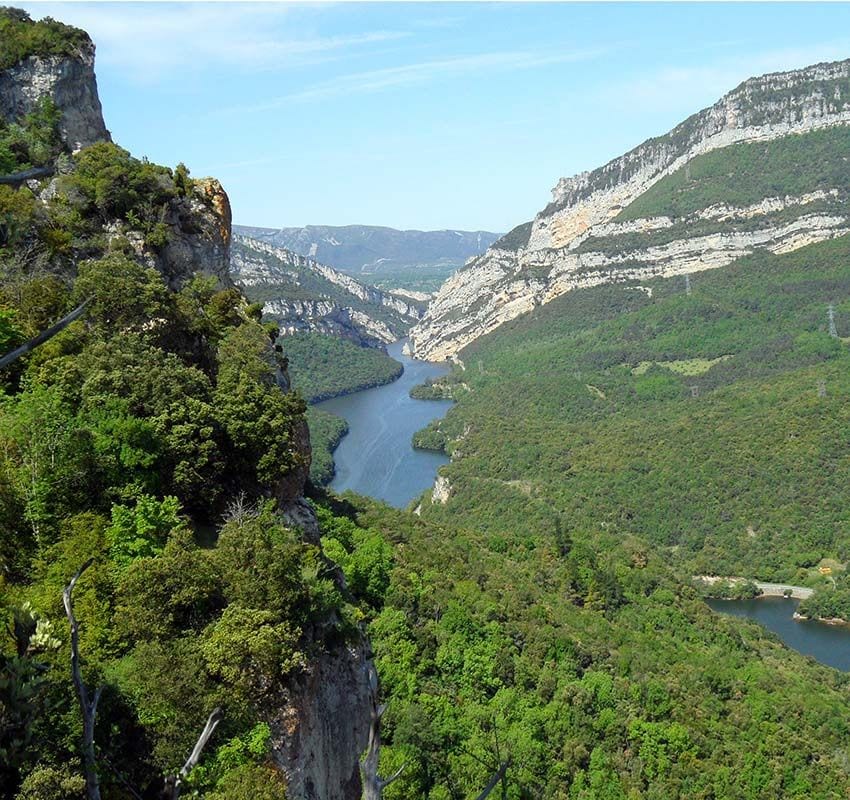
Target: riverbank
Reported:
point(766, 589)
point(354, 388)
point(376, 457)
point(825, 620)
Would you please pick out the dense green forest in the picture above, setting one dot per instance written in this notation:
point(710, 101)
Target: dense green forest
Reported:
point(711, 424)
point(326, 431)
point(579, 658)
point(327, 366)
point(532, 621)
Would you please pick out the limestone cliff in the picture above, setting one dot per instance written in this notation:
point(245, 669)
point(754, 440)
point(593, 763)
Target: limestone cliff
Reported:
point(301, 294)
point(70, 81)
point(542, 259)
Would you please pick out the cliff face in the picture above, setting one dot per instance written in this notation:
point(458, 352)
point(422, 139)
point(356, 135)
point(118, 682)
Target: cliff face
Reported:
point(537, 262)
point(200, 227)
point(321, 727)
point(303, 295)
point(70, 81)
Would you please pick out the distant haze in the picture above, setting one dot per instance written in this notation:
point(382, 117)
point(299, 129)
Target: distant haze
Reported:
point(369, 249)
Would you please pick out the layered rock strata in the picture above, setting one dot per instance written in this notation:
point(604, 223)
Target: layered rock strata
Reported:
point(537, 261)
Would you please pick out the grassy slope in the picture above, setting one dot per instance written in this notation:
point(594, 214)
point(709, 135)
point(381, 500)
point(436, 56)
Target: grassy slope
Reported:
point(746, 173)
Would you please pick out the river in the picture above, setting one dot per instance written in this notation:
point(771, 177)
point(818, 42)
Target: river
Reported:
point(375, 457)
point(829, 644)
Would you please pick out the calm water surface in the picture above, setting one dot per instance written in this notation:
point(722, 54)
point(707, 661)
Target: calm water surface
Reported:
point(376, 458)
point(829, 644)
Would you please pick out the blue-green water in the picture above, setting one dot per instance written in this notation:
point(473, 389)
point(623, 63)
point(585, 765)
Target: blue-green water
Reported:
point(376, 457)
point(829, 644)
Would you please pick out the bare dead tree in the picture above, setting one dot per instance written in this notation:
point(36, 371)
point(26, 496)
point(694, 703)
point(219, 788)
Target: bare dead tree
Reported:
point(17, 178)
point(498, 776)
point(28, 347)
point(88, 705)
point(173, 783)
point(373, 784)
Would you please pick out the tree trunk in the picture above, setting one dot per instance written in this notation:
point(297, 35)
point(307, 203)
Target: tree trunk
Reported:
point(373, 784)
point(88, 707)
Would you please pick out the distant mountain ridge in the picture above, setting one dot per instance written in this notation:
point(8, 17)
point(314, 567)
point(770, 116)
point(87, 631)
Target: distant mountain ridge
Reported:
point(678, 203)
point(371, 248)
point(302, 295)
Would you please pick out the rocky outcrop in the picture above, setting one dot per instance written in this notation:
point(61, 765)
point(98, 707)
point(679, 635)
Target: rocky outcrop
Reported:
point(199, 239)
point(198, 235)
point(405, 306)
point(70, 82)
point(521, 271)
point(324, 316)
point(322, 725)
point(442, 491)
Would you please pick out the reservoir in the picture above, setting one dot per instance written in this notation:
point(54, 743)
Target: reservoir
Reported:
point(375, 457)
point(828, 644)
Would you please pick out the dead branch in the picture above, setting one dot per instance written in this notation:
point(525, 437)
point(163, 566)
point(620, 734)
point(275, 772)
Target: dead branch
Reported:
point(373, 784)
point(494, 781)
point(28, 347)
point(17, 178)
point(173, 783)
point(88, 707)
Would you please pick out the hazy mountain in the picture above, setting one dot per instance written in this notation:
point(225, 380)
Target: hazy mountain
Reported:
point(374, 249)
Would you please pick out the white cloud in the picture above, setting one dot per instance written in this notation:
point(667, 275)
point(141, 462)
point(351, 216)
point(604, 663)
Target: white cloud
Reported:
point(150, 40)
point(422, 73)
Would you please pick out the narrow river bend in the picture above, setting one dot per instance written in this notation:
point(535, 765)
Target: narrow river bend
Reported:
point(376, 457)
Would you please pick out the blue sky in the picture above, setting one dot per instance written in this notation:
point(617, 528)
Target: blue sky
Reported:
point(417, 115)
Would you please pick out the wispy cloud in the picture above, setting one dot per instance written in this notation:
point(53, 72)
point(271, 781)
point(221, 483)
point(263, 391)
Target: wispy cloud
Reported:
point(148, 41)
point(670, 87)
point(420, 73)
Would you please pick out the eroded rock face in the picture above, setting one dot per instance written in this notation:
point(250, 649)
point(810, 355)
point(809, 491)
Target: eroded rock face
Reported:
point(199, 239)
point(322, 726)
point(198, 235)
point(510, 280)
point(70, 81)
point(308, 296)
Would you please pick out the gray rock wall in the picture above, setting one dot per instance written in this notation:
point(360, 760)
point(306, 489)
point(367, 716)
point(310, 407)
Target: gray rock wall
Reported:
point(70, 81)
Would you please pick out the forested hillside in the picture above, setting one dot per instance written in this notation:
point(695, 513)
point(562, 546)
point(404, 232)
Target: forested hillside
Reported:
point(707, 416)
point(152, 447)
point(161, 568)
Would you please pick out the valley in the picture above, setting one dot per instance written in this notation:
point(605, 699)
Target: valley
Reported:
point(492, 587)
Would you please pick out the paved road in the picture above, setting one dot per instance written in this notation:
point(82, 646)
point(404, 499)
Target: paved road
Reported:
point(769, 589)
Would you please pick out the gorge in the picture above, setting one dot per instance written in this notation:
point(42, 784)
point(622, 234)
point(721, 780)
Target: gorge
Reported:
point(649, 381)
